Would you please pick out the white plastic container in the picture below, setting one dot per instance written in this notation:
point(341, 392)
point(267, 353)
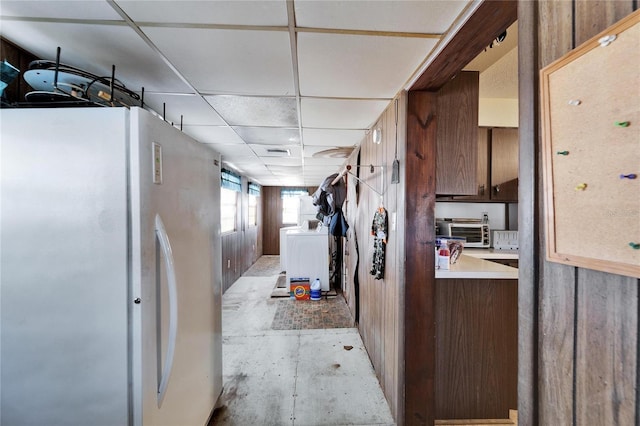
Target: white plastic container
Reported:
point(316, 290)
point(444, 257)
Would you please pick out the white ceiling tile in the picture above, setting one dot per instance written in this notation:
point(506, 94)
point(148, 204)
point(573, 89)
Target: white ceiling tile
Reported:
point(229, 152)
point(269, 135)
point(332, 137)
point(345, 65)
point(256, 110)
point(285, 170)
point(75, 9)
point(282, 161)
point(432, 16)
point(226, 12)
point(253, 169)
point(194, 110)
point(311, 161)
point(213, 134)
point(229, 61)
point(341, 113)
point(99, 47)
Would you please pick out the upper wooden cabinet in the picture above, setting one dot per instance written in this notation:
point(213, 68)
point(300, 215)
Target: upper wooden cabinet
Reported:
point(504, 165)
point(497, 167)
point(457, 135)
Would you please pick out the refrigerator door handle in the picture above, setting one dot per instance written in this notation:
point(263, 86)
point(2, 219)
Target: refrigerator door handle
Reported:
point(165, 245)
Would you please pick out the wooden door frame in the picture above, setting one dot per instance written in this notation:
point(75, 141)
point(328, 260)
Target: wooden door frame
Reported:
point(489, 20)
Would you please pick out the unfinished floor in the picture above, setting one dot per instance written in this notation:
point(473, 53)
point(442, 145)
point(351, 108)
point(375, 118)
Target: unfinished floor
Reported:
point(294, 376)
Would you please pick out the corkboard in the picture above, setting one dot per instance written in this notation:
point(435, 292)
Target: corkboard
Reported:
point(585, 95)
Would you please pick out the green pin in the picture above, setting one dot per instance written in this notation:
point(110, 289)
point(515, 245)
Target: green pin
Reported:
point(563, 152)
point(622, 123)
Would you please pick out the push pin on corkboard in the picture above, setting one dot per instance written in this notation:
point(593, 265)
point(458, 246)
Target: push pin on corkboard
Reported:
point(581, 187)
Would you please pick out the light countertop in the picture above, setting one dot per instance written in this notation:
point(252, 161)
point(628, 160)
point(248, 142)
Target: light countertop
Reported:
point(491, 253)
point(469, 266)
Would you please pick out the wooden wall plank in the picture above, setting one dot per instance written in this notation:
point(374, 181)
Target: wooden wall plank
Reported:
point(588, 320)
point(593, 18)
point(606, 356)
point(557, 287)
point(19, 58)
point(379, 302)
point(241, 248)
point(419, 237)
point(607, 305)
point(272, 220)
point(528, 215)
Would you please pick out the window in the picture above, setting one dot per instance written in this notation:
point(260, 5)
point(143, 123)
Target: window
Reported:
point(231, 186)
point(253, 210)
point(291, 204)
point(228, 210)
point(254, 193)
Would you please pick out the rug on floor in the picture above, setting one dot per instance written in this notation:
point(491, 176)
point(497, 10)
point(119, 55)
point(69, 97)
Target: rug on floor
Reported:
point(265, 266)
point(312, 314)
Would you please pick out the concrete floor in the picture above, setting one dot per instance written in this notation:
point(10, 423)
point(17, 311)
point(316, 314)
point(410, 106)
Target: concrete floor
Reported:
point(291, 377)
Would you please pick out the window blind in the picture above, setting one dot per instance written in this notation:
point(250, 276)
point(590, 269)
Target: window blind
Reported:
point(231, 181)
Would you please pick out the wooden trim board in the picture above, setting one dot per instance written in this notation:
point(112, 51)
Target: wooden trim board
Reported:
point(592, 211)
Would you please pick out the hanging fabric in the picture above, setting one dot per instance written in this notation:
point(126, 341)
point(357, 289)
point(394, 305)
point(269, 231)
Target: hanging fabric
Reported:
point(379, 230)
point(328, 198)
point(338, 226)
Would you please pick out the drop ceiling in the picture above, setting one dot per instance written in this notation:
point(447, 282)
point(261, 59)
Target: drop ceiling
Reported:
point(279, 88)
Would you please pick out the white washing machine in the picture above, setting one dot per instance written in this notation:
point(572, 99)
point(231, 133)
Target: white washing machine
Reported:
point(308, 255)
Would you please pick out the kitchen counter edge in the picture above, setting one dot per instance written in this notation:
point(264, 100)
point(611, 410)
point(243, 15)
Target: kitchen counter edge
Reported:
point(472, 267)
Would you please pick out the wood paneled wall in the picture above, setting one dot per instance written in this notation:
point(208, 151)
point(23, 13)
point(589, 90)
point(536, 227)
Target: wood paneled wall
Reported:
point(272, 219)
point(380, 309)
point(20, 59)
point(241, 248)
point(578, 338)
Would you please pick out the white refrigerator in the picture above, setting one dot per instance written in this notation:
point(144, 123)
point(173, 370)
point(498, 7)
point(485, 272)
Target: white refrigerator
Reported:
point(110, 279)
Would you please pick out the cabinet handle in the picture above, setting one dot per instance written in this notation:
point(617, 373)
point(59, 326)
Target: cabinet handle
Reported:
point(496, 189)
point(481, 189)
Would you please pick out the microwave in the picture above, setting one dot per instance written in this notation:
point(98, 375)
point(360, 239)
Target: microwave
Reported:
point(475, 234)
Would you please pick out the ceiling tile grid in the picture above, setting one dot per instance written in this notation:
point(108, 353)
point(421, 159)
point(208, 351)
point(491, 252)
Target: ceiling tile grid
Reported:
point(229, 61)
point(357, 66)
point(279, 92)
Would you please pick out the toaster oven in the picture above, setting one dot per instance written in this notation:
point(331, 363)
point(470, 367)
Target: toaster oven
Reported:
point(475, 234)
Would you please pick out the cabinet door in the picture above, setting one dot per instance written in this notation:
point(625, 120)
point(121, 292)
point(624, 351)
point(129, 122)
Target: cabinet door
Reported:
point(457, 135)
point(483, 164)
point(482, 173)
point(504, 164)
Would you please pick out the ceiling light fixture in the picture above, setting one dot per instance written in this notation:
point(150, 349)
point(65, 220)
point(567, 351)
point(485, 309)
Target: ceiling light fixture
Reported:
point(501, 37)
